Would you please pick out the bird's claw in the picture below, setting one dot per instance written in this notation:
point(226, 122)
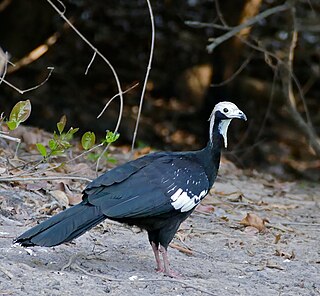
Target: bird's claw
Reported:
point(173, 274)
point(159, 269)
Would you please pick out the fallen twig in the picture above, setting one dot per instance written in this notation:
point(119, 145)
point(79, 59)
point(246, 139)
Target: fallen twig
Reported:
point(6, 272)
point(17, 140)
point(181, 249)
point(71, 261)
point(104, 277)
point(110, 279)
point(187, 285)
point(13, 178)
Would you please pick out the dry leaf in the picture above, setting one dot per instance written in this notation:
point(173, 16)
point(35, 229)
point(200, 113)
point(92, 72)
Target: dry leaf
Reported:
point(254, 221)
point(37, 186)
point(225, 189)
point(142, 151)
point(81, 169)
point(60, 197)
point(277, 238)
point(62, 186)
point(271, 264)
point(181, 249)
point(251, 230)
point(205, 208)
point(282, 207)
point(74, 199)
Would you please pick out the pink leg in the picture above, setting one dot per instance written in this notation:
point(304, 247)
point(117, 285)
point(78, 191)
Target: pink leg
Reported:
point(167, 269)
point(157, 256)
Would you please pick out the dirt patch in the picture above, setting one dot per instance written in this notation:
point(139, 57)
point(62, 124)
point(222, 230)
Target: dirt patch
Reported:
point(215, 254)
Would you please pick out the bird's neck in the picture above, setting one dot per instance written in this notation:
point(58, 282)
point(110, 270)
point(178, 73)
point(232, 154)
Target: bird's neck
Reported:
point(212, 152)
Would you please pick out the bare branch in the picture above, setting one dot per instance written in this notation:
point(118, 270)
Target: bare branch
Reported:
point(4, 136)
point(220, 15)
point(9, 138)
point(3, 64)
point(146, 77)
point(207, 25)
point(286, 70)
point(235, 74)
point(109, 102)
point(90, 63)
point(22, 91)
point(235, 30)
point(61, 13)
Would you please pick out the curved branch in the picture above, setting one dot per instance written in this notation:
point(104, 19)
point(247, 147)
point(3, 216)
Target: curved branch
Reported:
point(61, 13)
point(287, 77)
point(235, 30)
point(146, 77)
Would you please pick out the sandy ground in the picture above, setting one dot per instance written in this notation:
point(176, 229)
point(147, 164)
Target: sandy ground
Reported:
point(217, 256)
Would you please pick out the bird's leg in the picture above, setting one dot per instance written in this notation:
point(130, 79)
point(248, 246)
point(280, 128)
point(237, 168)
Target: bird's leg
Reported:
point(155, 249)
point(167, 269)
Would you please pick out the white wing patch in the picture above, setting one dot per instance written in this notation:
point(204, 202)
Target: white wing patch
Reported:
point(184, 202)
point(175, 196)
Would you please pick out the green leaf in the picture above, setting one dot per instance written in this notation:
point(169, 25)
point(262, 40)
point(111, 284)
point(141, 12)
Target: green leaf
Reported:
point(52, 144)
point(55, 136)
point(61, 124)
point(111, 137)
point(12, 125)
point(64, 144)
point(57, 152)
point(69, 135)
point(93, 156)
point(21, 111)
point(112, 160)
point(88, 140)
point(72, 131)
point(42, 150)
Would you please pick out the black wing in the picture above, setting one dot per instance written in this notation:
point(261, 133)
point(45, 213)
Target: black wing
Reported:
point(150, 186)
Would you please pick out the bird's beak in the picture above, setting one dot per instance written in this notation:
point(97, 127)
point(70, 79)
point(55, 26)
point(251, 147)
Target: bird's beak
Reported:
point(240, 115)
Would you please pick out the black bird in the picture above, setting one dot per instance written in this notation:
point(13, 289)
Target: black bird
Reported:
point(156, 192)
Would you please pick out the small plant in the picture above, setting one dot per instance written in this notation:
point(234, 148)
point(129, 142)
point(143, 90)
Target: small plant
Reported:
point(111, 137)
point(94, 157)
point(60, 141)
point(19, 113)
point(88, 140)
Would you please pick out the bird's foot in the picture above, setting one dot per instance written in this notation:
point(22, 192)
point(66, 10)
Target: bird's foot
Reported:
point(169, 272)
point(173, 274)
point(159, 269)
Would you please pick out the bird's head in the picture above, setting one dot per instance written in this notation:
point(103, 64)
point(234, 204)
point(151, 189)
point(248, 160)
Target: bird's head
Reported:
point(221, 117)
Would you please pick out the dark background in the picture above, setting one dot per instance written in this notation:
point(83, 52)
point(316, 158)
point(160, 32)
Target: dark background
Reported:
point(179, 97)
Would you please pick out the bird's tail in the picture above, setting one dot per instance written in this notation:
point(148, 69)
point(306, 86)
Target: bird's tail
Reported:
point(62, 227)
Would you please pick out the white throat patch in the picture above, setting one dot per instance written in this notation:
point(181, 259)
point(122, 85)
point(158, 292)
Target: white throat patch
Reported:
point(223, 129)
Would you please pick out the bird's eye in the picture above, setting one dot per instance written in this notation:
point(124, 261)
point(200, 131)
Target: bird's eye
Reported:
point(225, 110)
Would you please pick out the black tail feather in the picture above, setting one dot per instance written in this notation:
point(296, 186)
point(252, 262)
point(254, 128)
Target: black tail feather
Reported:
point(62, 227)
